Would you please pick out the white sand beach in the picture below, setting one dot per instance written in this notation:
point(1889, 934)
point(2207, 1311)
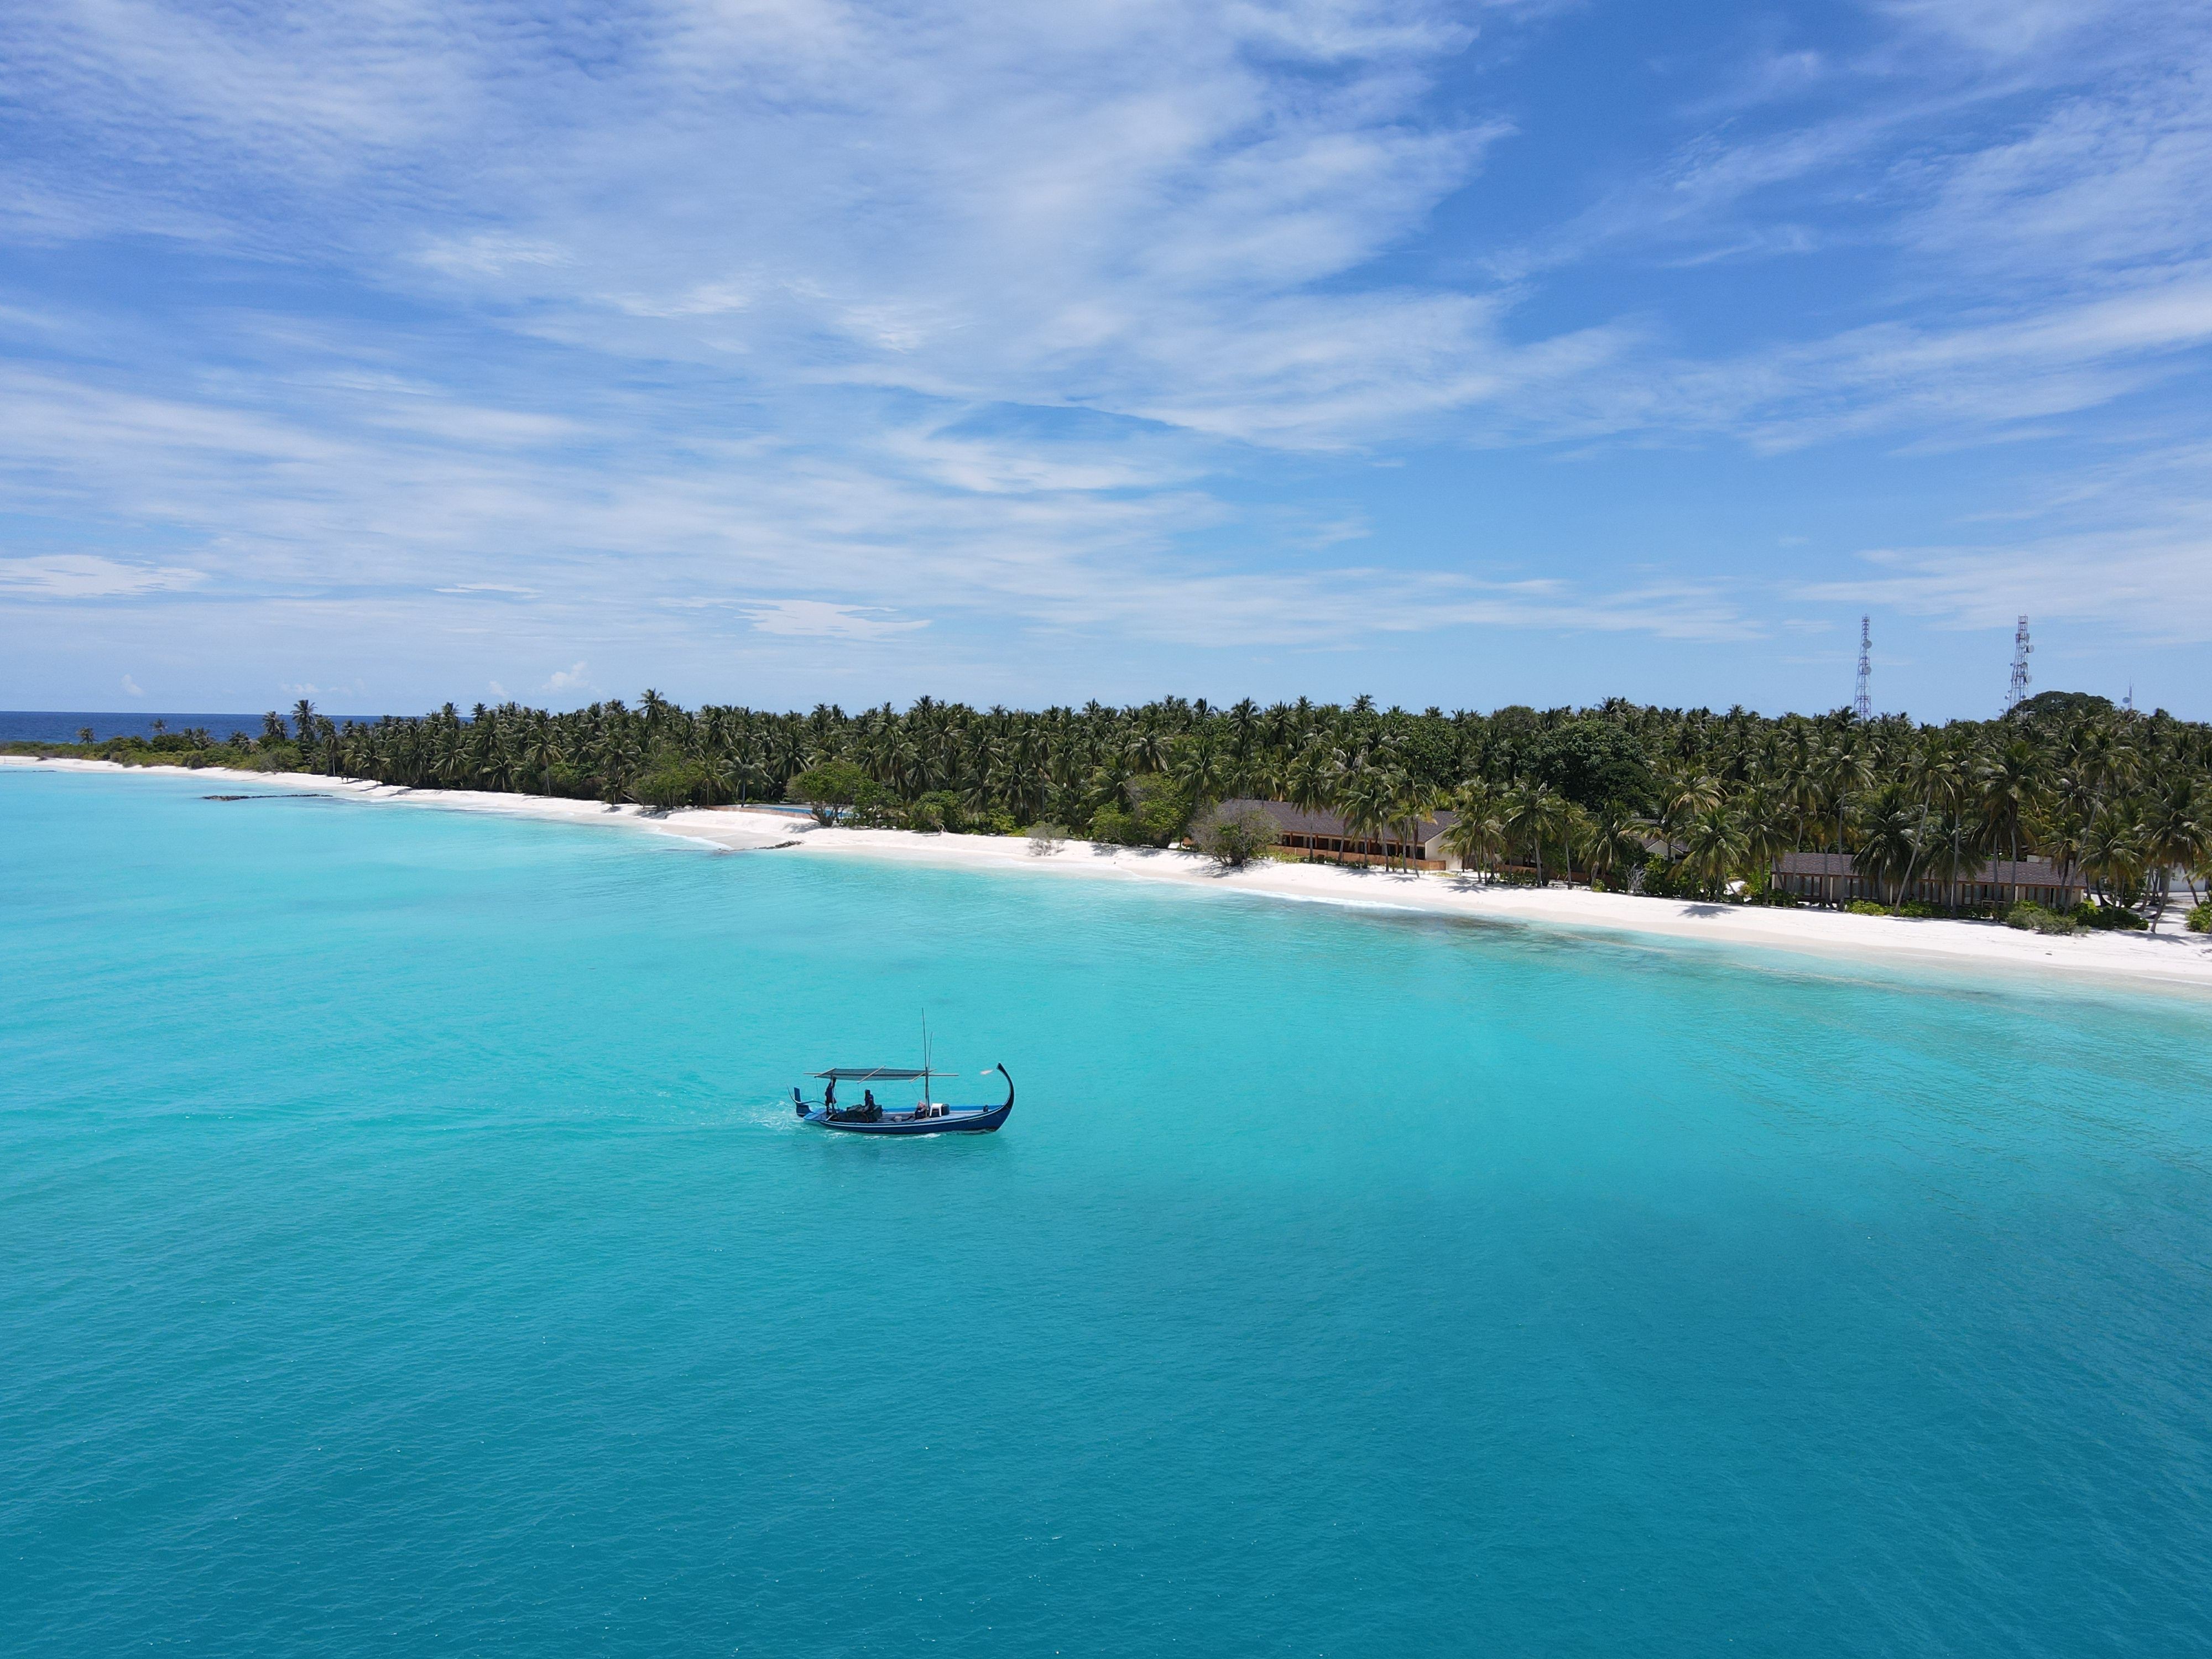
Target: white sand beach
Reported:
point(2171, 956)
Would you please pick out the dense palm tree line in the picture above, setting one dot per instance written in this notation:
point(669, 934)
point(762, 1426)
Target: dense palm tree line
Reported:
point(1687, 800)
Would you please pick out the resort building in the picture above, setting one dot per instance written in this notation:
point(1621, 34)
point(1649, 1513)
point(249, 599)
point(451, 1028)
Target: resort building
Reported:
point(1824, 878)
point(1419, 845)
point(1833, 878)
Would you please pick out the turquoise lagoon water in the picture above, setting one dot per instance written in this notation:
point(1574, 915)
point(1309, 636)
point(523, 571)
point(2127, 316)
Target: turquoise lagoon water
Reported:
point(405, 1247)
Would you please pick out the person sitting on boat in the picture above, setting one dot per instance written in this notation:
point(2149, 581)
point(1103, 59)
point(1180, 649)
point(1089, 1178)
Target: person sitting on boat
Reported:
point(868, 1104)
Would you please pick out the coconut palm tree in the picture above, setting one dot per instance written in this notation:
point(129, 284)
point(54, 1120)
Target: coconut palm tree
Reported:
point(1930, 773)
point(1683, 795)
point(2178, 828)
point(1365, 798)
point(1313, 779)
point(2114, 852)
point(1244, 722)
point(1412, 801)
point(541, 749)
point(1844, 772)
point(1797, 779)
point(2069, 801)
point(1947, 785)
point(1477, 836)
point(1890, 826)
point(1770, 827)
point(1200, 767)
point(1612, 841)
point(2007, 783)
point(1536, 814)
point(1715, 847)
point(1148, 747)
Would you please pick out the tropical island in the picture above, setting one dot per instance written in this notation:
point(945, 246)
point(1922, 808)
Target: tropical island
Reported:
point(2068, 812)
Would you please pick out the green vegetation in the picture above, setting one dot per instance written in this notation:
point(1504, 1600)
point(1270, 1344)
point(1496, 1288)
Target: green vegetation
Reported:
point(1233, 840)
point(672, 783)
point(2200, 918)
point(1688, 803)
point(2111, 918)
point(273, 752)
point(829, 787)
point(1147, 810)
point(2100, 918)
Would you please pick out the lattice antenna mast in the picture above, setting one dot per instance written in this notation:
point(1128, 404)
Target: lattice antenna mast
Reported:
point(2016, 693)
point(1862, 704)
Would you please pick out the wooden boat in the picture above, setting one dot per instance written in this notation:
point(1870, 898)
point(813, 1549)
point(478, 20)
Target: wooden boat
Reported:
point(872, 1117)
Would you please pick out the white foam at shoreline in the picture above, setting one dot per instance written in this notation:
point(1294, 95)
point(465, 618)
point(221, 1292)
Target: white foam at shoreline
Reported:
point(2170, 958)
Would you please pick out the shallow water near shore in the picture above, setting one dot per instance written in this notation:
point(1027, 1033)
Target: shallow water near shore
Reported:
point(406, 1247)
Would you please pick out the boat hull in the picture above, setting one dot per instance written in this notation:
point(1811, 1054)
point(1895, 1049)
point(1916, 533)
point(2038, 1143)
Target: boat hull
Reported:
point(979, 1123)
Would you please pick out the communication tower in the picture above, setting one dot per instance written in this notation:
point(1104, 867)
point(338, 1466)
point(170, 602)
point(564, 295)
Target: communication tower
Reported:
point(2022, 651)
point(1862, 705)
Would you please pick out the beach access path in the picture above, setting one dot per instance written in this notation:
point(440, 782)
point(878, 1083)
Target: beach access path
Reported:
point(2171, 956)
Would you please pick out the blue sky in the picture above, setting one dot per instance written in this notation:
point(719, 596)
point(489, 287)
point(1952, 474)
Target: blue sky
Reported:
point(777, 351)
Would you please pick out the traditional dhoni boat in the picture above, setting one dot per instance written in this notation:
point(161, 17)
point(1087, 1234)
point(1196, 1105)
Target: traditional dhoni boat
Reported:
point(872, 1117)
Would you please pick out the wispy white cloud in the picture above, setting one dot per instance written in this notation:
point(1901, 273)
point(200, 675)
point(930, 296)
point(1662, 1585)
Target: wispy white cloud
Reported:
point(488, 256)
point(2001, 30)
point(88, 576)
point(1007, 210)
point(2148, 580)
point(310, 689)
point(2109, 181)
point(1967, 380)
point(820, 619)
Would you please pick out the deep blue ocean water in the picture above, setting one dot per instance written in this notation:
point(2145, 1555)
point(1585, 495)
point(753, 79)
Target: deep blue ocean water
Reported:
point(406, 1247)
point(61, 724)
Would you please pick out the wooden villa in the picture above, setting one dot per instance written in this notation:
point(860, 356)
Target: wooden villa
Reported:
point(1326, 835)
point(1832, 878)
point(1824, 877)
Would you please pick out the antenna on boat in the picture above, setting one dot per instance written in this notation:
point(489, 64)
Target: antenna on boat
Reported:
point(925, 1056)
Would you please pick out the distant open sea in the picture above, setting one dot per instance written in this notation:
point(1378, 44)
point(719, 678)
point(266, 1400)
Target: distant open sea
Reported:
point(62, 725)
point(406, 1247)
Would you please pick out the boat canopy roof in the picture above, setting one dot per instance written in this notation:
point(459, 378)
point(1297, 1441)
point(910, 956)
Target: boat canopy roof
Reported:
point(870, 1073)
